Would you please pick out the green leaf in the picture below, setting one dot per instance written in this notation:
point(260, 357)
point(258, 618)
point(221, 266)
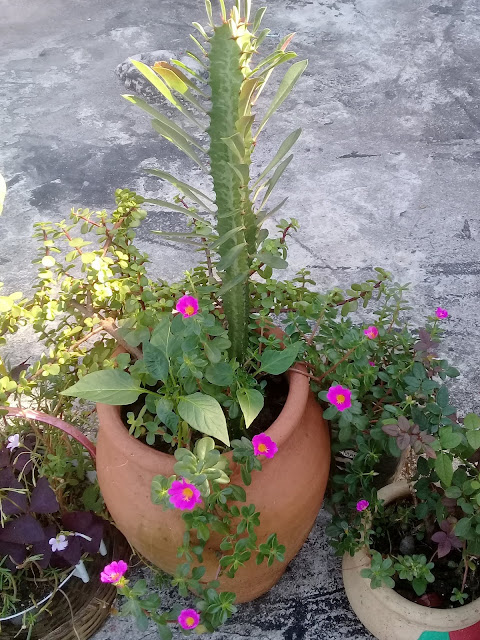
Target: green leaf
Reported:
point(159, 84)
point(179, 141)
point(88, 258)
point(442, 397)
point(220, 374)
point(272, 260)
point(472, 421)
point(284, 148)
point(251, 403)
point(204, 414)
point(264, 215)
point(289, 81)
point(258, 18)
point(473, 438)
point(444, 468)
point(277, 174)
point(450, 439)
point(275, 362)
point(191, 192)
point(463, 528)
point(110, 386)
point(155, 362)
point(174, 207)
point(229, 258)
point(163, 338)
point(48, 261)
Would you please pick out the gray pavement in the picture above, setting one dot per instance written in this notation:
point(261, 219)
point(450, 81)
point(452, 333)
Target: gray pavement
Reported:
point(385, 174)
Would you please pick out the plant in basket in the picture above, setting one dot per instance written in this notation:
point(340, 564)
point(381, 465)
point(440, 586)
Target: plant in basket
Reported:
point(46, 533)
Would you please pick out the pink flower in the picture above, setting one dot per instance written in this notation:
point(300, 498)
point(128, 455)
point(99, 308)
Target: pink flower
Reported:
point(187, 306)
point(184, 495)
point(340, 397)
point(263, 445)
point(371, 363)
point(441, 313)
point(113, 573)
point(362, 505)
point(371, 332)
point(188, 619)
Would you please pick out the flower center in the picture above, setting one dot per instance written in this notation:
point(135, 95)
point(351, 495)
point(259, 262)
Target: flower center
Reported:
point(340, 398)
point(115, 577)
point(189, 310)
point(262, 447)
point(190, 621)
point(187, 493)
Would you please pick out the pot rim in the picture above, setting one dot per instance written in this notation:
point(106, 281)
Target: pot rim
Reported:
point(429, 617)
point(280, 430)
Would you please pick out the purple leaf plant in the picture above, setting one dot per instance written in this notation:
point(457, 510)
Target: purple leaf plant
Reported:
point(409, 435)
point(31, 522)
point(446, 539)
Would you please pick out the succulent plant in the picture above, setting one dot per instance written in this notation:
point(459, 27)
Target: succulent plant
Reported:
point(227, 97)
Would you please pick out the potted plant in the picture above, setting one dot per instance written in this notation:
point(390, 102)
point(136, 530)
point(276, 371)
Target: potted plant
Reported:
point(45, 539)
point(409, 551)
point(207, 370)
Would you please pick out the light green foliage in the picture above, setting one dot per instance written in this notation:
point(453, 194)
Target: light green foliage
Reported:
point(380, 572)
point(417, 570)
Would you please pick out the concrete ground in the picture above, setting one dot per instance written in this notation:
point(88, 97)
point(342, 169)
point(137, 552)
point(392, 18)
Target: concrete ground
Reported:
point(385, 174)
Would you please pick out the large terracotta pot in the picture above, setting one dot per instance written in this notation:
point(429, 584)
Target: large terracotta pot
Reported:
point(389, 616)
point(288, 492)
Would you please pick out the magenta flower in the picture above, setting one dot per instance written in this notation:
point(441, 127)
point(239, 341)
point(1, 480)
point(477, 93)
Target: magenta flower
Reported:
point(441, 313)
point(371, 363)
point(183, 495)
point(340, 397)
point(362, 505)
point(113, 573)
point(371, 332)
point(263, 445)
point(187, 306)
point(188, 619)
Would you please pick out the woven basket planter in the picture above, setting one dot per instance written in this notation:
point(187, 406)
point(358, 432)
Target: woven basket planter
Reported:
point(78, 609)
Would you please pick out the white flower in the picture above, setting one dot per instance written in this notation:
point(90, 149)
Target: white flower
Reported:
point(59, 543)
point(13, 442)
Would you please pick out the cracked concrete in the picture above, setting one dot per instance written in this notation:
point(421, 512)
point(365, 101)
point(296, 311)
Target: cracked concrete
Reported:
point(385, 174)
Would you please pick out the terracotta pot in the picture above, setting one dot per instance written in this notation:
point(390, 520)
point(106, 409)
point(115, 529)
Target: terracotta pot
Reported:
point(389, 616)
point(288, 492)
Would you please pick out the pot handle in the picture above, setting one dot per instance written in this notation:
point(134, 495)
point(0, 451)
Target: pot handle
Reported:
point(31, 414)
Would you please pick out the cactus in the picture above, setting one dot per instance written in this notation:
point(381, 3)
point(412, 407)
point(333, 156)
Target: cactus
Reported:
point(236, 236)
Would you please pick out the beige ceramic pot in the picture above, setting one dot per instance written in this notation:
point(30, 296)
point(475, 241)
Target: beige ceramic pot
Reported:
point(288, 492)
point(388, 616)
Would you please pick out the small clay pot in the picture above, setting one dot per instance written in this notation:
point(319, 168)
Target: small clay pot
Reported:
point(288, 492)
point(389, 616)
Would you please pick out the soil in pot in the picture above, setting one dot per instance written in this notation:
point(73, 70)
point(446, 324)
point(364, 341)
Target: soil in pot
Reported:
point(408, 536)
point(276, 392)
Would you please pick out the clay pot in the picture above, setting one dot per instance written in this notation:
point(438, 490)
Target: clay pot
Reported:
point(288, 492)
point(389, 616)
